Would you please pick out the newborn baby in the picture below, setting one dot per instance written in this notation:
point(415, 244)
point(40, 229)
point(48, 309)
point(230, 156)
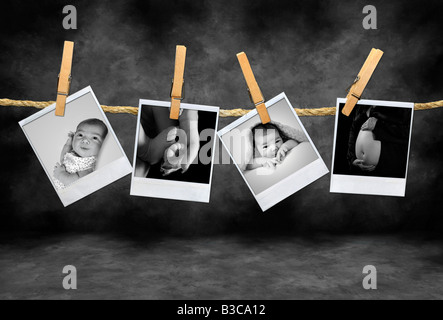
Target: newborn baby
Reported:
point(270, 148)
point(80, 152)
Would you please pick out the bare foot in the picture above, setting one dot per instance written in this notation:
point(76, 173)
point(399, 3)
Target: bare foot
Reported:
point(173, 156)
point(152, 150)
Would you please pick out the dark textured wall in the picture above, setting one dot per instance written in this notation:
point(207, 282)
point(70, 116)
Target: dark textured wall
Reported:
point(311, 50)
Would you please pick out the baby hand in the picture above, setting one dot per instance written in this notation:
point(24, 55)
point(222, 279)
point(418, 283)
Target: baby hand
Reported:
point(270, 163)
point(58, 169)
point(70, 137)
point(364, 167)
point(281, 153)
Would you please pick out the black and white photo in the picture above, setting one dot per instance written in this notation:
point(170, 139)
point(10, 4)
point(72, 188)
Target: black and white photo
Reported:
point(275, 159)
point(79, 151)
point(371, 148)
point(174, 158)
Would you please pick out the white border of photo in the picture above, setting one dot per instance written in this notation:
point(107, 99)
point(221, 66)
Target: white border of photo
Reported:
point(292, 183)
point(169, 189)
point(355, 184)
point(95, 180)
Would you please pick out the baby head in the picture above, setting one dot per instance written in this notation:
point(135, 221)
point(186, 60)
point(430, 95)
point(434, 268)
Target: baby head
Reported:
point(266, 140)
point(88, 138)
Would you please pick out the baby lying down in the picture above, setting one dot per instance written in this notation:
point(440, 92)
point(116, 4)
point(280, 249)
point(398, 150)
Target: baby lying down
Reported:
point(80, 152)
point(271, 142)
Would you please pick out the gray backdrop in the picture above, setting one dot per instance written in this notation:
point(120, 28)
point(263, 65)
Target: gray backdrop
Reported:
point(311, 50)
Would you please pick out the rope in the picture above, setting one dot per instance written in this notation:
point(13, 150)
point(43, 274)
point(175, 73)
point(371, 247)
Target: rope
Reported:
point(330, 111)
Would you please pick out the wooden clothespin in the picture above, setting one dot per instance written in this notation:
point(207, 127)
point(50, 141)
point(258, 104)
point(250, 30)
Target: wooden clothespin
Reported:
point(254, 91)
point(64, 79)
point(177, 89)
point(356, 89)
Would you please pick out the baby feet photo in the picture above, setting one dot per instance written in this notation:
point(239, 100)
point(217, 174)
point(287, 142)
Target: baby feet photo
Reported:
point(166, 153)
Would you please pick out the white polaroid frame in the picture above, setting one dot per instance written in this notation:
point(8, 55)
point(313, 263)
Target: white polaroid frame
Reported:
point(292, 183)
point(95, 180)
point(370, 185)
point(169, 189)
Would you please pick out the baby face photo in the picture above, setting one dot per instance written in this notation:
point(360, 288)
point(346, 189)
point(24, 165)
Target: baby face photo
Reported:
point(371, 148)
point(275, 159)
point(174, 159)
point(79, 151)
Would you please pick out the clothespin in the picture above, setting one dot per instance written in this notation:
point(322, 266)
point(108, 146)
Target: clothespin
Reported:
point(356, 89)
point(64, 79)
point(177, 87)
point(254, 91)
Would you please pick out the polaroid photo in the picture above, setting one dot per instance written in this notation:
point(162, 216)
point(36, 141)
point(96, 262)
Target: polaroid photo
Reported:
point(79, 152)
point(371, 148)
point(276, 159)
point(174, 159)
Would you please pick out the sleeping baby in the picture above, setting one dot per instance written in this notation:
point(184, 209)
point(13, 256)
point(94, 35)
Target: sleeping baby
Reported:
point(80, 152)
point(270, 145)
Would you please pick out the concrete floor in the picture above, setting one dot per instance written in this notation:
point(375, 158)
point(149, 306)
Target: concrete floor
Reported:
point(320, 267)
